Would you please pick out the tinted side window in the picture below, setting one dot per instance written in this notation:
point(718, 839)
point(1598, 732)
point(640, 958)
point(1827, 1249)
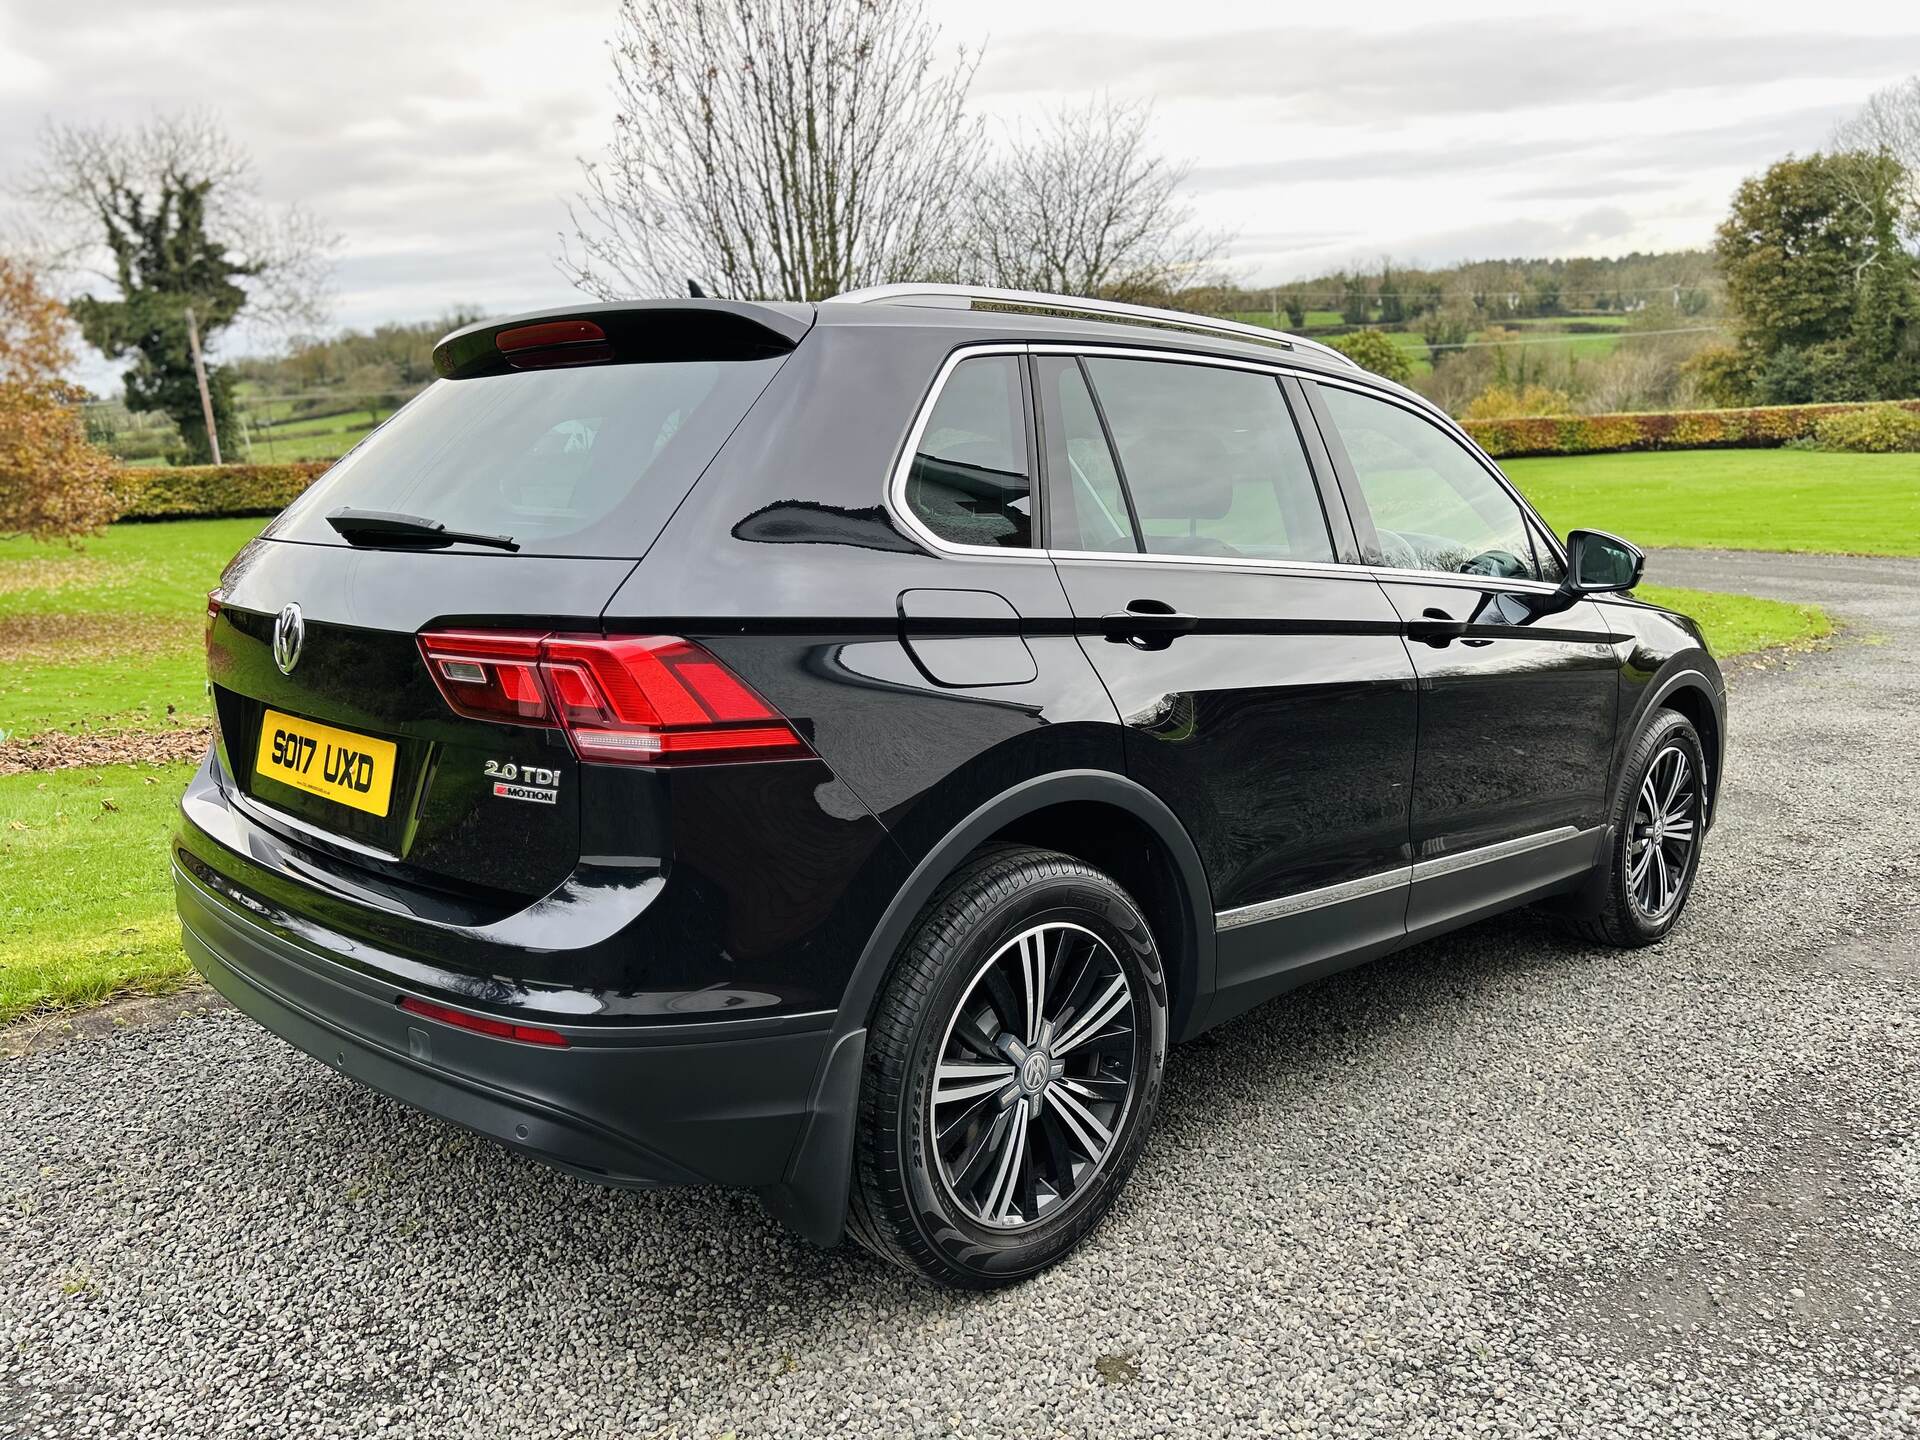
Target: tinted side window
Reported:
point(1435, 506)
point(1086, 508)
point(1212, 461)
point(969, 481)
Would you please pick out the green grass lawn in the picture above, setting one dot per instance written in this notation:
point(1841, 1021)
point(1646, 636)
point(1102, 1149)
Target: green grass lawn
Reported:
point(86, 906)
point(1734, 499)
point(107, 635)
point(1742, 624)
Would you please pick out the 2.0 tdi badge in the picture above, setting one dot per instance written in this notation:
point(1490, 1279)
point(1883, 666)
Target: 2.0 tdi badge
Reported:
point(524, 782)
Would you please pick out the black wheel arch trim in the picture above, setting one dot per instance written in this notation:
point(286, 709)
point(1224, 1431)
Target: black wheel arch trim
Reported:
point(812, 1199)
point(1682, 675)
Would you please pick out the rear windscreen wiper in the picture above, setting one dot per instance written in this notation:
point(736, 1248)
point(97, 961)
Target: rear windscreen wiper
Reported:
point(372, 527)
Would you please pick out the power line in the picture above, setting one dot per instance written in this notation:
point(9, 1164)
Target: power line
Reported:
point(1570, 339)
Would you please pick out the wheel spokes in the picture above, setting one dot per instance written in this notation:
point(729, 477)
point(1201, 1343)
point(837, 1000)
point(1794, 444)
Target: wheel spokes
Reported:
point(1665, 827)
point(969, 1079)
point(1034, 1075)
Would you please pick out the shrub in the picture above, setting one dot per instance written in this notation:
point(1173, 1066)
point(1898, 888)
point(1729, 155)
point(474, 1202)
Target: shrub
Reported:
point(1372, 350)
point(1669, 430)
point(198, 491)
point(1497, 402)
point(1875, 430)
point(53, 482)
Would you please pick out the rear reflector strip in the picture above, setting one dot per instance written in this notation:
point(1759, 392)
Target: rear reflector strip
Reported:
point(625, 699)
point(482, 1024)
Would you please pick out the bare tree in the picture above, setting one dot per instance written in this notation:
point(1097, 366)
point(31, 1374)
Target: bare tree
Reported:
point(1086, 207)
point(775, 149)
point(1889, 124)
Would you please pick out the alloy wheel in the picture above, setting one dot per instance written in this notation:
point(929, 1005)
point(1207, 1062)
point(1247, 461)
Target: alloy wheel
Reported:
point(1034, 1076)
point(1665, 829)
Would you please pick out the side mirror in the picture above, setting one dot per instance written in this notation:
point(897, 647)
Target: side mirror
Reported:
point(1601, 564)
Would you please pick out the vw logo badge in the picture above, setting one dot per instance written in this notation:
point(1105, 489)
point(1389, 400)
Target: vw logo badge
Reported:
point(289, 634)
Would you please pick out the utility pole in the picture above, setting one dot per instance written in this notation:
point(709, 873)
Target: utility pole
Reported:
point(200, 374)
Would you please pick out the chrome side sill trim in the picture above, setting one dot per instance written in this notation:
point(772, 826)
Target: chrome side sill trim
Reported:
point(1306, 900)
point(1487, 854)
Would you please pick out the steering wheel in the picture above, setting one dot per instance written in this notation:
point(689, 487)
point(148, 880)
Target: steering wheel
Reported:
point(1501, 564)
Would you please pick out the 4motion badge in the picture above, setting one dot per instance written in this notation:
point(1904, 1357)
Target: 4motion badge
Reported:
point(524, 782)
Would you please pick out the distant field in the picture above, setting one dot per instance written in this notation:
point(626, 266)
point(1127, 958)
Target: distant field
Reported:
point(325, 437)
point(1539, 331)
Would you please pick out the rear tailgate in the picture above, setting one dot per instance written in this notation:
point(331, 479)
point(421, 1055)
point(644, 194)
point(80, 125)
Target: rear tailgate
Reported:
point(550, 454)
point(486, 810)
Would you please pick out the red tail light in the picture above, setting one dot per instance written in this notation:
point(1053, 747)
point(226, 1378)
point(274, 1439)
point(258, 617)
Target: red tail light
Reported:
point(214, 600)
point(631, 699)
point(483, 1024)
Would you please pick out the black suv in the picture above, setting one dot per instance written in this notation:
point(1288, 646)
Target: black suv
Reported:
point(836, 749)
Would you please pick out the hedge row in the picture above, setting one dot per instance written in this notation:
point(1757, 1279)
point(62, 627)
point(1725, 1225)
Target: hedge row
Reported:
point(163, 492)
point(1668, 430)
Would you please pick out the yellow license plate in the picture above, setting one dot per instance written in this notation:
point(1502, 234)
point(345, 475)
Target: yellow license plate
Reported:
point(337, 765)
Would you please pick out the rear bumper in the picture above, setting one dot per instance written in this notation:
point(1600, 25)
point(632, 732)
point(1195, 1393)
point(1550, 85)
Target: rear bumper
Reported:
point(628, 1105)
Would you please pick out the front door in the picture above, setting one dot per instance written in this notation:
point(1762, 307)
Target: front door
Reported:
point(1265, 690)
point(1518, 679)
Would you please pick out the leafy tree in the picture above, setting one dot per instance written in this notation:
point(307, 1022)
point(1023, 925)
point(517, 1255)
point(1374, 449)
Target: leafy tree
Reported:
point(1295, 304)
point(1445, 329)
point(776, 149)
point(1393, 306)
point(53, 483)
point(169, 210)
point(1789, 251)
point(1822, 293)
point(1356, 305)
point(1372, 350)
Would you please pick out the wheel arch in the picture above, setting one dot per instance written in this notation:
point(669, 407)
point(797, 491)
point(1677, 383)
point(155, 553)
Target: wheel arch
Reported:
point(1064, 810)
point(1692, 694)
point(1107, 820)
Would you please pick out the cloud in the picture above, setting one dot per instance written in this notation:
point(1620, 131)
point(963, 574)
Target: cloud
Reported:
point(1441, 68)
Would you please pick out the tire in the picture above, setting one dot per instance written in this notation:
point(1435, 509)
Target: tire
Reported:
point(947, 1202)
point(1621, 909)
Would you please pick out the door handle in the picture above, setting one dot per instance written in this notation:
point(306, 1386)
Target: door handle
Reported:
point(1147, 624)
point(1436, 628)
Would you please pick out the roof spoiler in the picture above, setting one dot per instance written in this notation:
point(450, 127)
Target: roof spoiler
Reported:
point(623, 333)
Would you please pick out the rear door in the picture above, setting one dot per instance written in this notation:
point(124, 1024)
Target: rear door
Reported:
point(1265, 692)
point(1518, 680)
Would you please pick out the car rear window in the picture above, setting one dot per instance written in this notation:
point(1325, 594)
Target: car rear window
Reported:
point(586, 461)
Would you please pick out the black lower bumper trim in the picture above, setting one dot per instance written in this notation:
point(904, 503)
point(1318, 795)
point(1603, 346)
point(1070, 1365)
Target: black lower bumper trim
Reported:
point(621, 1111)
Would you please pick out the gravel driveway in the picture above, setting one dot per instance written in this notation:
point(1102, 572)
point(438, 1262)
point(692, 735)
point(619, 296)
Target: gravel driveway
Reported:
point(1495, 1185)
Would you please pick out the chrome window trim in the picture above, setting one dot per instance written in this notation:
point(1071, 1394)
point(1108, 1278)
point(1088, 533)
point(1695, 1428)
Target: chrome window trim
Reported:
point(902, 512)
point(1447, 426)
point(896, 497)
point(1330, 569)
point(1459, 578)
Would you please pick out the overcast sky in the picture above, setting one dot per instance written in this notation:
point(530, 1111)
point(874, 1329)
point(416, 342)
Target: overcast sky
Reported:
point(439, 137)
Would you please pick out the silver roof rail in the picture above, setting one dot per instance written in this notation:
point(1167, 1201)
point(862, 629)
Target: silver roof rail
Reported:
point(963, 296)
